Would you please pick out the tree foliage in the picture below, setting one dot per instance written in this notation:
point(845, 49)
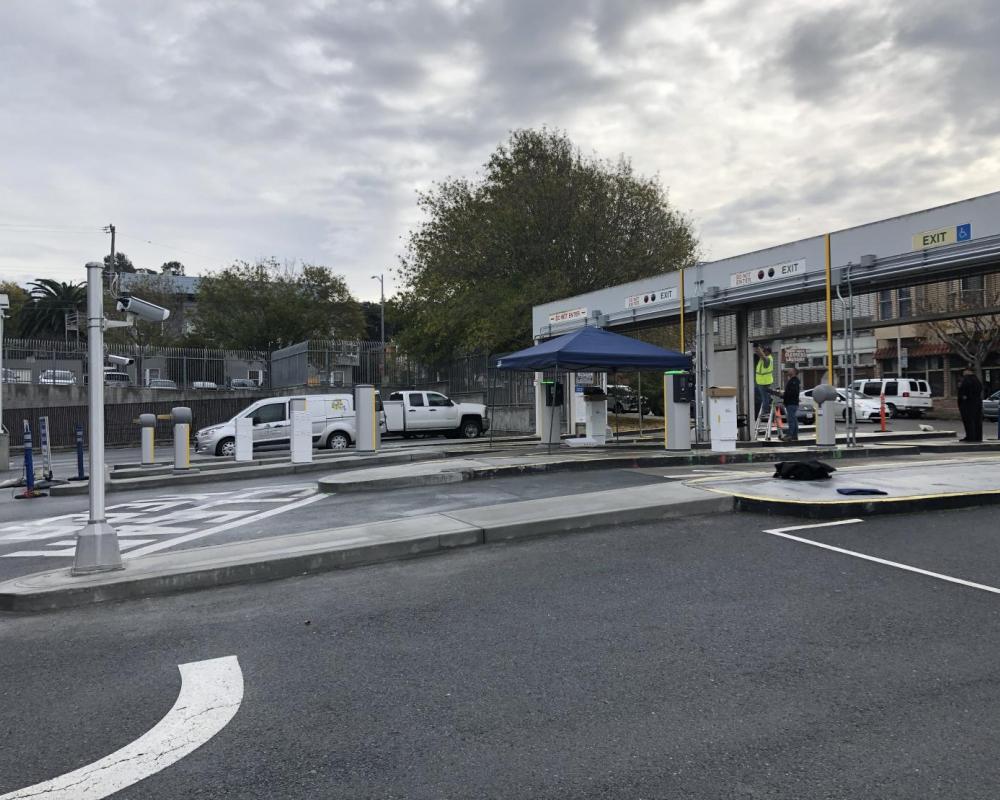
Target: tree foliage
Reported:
point(122, 263)
point(265, 306)
point(51, 302)
point(172, 268)
point(19, 299)
point(542, 222)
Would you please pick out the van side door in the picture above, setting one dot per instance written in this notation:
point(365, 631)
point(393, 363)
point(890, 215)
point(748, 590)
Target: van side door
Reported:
point(271, 423)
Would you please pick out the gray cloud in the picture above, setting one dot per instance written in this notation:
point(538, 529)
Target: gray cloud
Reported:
point(220, 130)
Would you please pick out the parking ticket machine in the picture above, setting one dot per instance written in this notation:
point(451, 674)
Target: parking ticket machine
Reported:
point(550, 426)
point(678, 392)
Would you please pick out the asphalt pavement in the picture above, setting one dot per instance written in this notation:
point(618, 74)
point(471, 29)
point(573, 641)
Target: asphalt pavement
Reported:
point(704, 658)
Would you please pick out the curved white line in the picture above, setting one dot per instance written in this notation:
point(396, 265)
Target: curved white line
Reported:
point(210, 695)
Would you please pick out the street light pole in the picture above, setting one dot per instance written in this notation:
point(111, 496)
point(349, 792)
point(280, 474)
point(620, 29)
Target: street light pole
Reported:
point(97, 542)
point(381, 282)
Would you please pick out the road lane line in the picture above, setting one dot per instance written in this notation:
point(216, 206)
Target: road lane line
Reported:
point(883, 561)
point(815, 525)
point(211, 694)
point(164, 545)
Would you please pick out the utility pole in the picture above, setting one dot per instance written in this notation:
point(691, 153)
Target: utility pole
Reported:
point(111, 229)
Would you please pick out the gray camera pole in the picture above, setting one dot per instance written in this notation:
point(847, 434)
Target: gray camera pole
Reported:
point(97, 542)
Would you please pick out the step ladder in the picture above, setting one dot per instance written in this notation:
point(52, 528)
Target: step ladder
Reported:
point(765, 423)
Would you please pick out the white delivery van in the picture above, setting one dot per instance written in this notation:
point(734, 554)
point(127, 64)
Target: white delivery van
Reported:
point(415, 413)
point(904, 397)
point(332, 419)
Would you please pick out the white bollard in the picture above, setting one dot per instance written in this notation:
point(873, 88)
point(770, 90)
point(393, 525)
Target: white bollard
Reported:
point(148, 423)
point(366, 419)
point(244, 439)
point(180, 418)
point(301, 431)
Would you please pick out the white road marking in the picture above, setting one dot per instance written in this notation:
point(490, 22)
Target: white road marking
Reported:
point(815, 525)
point(155, 548)
point(211, 694)
point(883, 561)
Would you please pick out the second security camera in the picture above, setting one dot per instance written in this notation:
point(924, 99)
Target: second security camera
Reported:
point(144, 310)
point(121, 361)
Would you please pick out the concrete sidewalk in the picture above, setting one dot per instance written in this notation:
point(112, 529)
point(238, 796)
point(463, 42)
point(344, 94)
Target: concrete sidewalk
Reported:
point(323, 550)
point(907, 488)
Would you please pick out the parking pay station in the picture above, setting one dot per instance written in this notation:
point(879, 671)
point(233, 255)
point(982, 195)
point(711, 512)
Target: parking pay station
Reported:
point(366, 417)
point(301, 423)
point(550, 425)
point(678, 392)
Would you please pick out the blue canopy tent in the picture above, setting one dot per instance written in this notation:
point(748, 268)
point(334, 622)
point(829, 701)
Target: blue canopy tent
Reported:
point(591, 348)
point(594, 348)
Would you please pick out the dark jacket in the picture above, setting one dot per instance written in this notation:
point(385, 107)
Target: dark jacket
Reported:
point(791, 396)
point(970, 391)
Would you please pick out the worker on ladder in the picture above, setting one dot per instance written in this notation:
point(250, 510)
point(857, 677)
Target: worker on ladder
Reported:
point(763, 379)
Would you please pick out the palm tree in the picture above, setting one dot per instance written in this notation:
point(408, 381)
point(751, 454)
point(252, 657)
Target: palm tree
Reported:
point(51, 301)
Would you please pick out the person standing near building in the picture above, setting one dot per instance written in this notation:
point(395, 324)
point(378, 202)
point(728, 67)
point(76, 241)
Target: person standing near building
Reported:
point(970, 406)
point(763, 378)
point(790, 400)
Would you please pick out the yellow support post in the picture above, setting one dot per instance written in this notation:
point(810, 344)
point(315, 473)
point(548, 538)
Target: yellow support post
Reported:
point(829, 311)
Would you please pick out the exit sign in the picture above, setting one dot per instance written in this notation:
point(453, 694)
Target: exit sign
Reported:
point(942, 236)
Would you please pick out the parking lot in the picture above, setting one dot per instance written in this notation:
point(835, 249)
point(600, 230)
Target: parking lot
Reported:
point(699, 658)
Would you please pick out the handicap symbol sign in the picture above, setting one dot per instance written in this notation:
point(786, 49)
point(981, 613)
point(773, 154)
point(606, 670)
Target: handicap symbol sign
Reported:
point(963, 232)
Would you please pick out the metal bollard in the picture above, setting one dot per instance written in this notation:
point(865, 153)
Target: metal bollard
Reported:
point(29, 492)
point(180, 418)
point(148, 423)
point(80, 475)
point(300, 428)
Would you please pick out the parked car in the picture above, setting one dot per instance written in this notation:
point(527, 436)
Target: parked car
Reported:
point(864, 407)
point(117, 378)
point(904, 397)
point(243, 383)
point(57, 377)
point(430, 413)
point(333, 424)
point(161, 383)
point(9, 376)
point(990, 406)
point(624, 399)
point(205, 385)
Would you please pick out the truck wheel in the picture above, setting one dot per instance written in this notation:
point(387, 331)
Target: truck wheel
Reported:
point(470, 429)
point(227, 447)
point(338, 440)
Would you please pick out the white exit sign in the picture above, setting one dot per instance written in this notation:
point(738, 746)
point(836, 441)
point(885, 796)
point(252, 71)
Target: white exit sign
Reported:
point(774, 272)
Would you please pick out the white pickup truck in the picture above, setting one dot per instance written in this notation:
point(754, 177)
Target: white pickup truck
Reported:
point(432, 414)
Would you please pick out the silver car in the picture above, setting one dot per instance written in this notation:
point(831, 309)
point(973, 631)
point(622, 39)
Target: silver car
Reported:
point(991, 405)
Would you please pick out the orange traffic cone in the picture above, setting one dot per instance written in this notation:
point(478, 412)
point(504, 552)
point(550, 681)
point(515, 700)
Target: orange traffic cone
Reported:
point(780, 419)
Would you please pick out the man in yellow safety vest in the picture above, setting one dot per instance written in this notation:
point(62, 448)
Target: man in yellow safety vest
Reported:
point(763, 378)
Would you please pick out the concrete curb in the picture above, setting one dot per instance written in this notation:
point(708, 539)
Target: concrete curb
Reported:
point(865, 508)
point(348, 483)
point(358, 545)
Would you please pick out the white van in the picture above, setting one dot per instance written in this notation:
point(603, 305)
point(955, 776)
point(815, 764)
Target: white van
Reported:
point(904, 397)
point(332, 415)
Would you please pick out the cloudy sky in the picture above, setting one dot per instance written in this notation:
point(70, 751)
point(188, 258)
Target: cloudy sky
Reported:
point(302, 129)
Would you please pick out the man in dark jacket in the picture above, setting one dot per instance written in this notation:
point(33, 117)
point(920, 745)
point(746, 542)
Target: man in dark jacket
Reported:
point(970, 406)
point(790, 400)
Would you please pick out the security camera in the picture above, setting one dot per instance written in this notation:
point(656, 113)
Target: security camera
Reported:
point(121, 360)
point(142, 309)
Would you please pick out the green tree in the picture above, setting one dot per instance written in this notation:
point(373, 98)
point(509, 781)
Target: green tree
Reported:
point(265, 306)
point(172, 268)
point(122, 263)
point(373, 320)
point(542, 222)
point(51, 302)
point(19, 298)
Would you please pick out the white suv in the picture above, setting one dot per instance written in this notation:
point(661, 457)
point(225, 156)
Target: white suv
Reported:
point(904, 397)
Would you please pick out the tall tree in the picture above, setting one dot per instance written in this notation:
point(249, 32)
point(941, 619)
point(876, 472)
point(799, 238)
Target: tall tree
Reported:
point(19, 299)
point(373, 320)
point(971, 334)
point(265, 306)
point(542, 222)
point(51, 302)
